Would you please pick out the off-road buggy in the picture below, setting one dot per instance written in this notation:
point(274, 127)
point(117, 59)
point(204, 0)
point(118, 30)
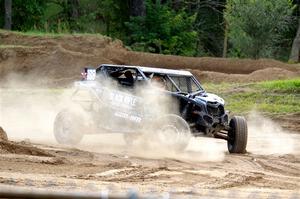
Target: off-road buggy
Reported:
point(107, 99)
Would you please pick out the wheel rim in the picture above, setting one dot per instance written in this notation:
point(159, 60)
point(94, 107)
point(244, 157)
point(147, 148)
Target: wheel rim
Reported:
point(167, 134)
point(64, 130)
point(173, 132)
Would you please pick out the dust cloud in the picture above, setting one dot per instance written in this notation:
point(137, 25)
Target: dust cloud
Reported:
point(28, 112)
point(267, 137)
point(148, 142)
point(200, 149)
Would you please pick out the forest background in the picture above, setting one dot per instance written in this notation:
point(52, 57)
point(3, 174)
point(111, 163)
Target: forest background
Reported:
point(217, 28)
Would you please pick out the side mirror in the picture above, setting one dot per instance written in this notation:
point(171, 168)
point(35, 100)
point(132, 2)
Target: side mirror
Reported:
point(89, 74)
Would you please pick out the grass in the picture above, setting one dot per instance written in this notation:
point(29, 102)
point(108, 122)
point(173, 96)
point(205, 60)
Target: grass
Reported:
point(284, 86)
point(269, 97)
point(52, 34)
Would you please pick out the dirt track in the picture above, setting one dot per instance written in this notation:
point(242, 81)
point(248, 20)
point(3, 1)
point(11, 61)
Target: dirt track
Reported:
point(272, 164)
point(62, 168)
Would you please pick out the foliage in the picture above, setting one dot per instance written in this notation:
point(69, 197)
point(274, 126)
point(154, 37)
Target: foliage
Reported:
point(163, 30)
point(256, 26)
point(2, 10)
point(210, 25)
point(114, 14)
point(101, 16)
point(29, 15)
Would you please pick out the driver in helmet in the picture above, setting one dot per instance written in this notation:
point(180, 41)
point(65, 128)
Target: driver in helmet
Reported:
point(159, 81)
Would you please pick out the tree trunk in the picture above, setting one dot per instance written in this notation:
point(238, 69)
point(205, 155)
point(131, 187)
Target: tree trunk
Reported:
point(108, 27)
point(294, 56)
point(72, 10)
point(7, 5)
point(75, 9)
point(176, 4)
point(137, 8)
point(225, 44)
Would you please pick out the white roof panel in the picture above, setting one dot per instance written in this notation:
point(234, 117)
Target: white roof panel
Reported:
point(155, 70)
point(165, 71)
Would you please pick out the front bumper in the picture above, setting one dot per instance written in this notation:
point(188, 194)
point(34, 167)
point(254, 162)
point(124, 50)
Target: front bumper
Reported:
point(208, 121)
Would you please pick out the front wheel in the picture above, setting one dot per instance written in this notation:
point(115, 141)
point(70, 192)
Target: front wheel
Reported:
point(237, 135)
point(68, 127)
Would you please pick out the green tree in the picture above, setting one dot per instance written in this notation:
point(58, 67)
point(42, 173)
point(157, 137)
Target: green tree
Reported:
point(162, 30)
point(62, 16)
point(7, 19)
point(137, 7)
point(256, 27)
point(113, 14)
point(27, 15)
point(210, 25)
point(2, 15)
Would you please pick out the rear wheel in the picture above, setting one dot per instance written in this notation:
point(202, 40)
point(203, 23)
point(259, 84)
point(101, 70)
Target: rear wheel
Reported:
point(173, 132)
point(130, 138)
point(237, 135)
point(69, 127)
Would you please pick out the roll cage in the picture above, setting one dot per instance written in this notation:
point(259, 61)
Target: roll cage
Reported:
point(177, 81)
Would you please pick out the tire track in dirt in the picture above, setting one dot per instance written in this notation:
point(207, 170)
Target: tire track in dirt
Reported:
point(235, 171)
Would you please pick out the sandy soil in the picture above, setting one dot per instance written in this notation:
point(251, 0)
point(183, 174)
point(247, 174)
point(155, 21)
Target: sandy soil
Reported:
point(119, 169)
point(33, 159)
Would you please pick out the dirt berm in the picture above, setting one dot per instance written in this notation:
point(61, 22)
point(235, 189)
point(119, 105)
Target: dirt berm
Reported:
point(3, 135)
point(58, 60)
